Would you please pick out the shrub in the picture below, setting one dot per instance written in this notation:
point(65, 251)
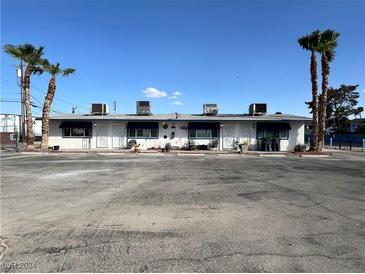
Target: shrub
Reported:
point(299, 148)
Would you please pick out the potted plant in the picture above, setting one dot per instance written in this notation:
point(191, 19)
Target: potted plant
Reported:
point(167, 147)
point(243, 147)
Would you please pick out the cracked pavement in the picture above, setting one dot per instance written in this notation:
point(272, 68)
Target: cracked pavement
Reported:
point(171, 213)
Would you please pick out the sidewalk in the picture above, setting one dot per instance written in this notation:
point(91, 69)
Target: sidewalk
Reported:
point(183, 152)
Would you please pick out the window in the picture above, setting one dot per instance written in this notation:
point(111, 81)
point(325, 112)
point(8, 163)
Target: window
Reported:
point(142, 133)
point(203, 133)
point(76, 132)
point(282, 134)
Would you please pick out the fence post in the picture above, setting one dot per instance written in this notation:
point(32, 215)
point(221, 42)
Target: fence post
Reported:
point(350, 144)
point(363, 145)
point(330, 143)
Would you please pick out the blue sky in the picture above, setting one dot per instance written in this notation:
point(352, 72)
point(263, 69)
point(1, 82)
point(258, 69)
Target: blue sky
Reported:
point(228, 52)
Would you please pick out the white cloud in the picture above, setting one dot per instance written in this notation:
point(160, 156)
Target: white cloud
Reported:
point(177, 93)
point(154, 93)
point(177, 103)
point(173, 97)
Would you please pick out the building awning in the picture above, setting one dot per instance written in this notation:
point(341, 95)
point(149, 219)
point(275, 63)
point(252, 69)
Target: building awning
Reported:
point(75, 124)
point(273, 126)
point(143, 125)
point(211, 125)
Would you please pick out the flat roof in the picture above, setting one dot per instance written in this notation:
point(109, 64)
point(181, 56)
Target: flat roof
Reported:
point(182, 117)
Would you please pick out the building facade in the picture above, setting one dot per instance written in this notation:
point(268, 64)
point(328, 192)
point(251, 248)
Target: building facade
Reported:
point(275, 132)
point(10, 128)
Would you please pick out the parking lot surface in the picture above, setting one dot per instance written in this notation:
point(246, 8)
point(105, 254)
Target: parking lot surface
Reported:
point(148, 213)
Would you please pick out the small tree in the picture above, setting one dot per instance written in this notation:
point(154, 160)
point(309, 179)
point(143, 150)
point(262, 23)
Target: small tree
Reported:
point(54, 70)
point(341, 103)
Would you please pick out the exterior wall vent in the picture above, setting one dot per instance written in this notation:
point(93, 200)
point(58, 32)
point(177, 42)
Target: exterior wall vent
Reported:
point(144, 108)
point(210, 109)
point(258, 109)
point(99, 109)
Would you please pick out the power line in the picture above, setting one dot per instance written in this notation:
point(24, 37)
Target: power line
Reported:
point(58, 99)
point(33, 105)
point(39, 102)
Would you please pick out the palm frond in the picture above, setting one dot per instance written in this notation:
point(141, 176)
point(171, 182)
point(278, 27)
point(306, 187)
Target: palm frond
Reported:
point(14, 51)
point(328, 43)
point(310, 41)
point(68, 71)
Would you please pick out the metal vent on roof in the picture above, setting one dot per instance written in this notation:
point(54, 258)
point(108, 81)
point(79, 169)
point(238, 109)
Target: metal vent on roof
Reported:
point(99, 109)
point(210, 109)
point(143, 108)
point(258, 109)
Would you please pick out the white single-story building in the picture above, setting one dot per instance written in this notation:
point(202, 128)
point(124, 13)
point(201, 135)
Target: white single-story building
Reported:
point(274, 132)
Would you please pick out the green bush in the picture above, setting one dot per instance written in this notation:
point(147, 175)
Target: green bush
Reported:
point(299, 148)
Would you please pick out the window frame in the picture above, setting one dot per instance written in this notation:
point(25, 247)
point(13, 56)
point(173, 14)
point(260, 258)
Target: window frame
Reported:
point(211, 135)
point(144, 131)
point(85, 130)
point(277, 132)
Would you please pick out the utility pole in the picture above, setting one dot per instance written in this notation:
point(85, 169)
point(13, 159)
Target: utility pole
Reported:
point(115, 106)
point(73, 109)
point(22, 106)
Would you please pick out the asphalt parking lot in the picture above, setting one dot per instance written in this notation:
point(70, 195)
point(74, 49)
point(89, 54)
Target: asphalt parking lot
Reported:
point(157, 213)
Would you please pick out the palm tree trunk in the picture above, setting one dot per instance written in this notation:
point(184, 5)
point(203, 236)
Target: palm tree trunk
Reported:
point(323, 106)
point(313, 71)
point(28, 109)
point(46, 111)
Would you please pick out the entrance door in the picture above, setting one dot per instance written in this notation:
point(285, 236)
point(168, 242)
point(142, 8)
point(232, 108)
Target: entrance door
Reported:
point(102, 135)
point(228, 136)
point(118, 131)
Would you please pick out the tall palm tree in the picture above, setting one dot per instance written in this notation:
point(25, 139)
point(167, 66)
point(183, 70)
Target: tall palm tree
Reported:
point(32, 56)
point(311, 43)
point(328, 43)
point(54, 70)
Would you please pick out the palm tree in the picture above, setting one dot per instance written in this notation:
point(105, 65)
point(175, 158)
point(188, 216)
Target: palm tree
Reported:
point(328, 43)
point(32, 56)
point(54, 70)
point(311, 42)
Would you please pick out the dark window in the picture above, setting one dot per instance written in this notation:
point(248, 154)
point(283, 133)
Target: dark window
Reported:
point(142, 133)
point(214, 133)
point(282, 134)
point(154, 132)
point(132, 132)
point(203, 133)
point(66, 132)
point(76, 132)
point(192, 133)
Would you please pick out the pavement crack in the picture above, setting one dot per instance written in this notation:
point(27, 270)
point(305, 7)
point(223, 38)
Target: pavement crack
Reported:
point(316, 203)
point(3, 247)
point(255, 254)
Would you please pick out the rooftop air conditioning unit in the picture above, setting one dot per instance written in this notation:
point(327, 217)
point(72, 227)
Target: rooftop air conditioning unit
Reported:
point(258, 109)
point(99, 109)
point(210, 109)
point(143, 108)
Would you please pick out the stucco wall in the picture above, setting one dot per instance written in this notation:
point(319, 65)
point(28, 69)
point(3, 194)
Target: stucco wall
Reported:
point(237, 131)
